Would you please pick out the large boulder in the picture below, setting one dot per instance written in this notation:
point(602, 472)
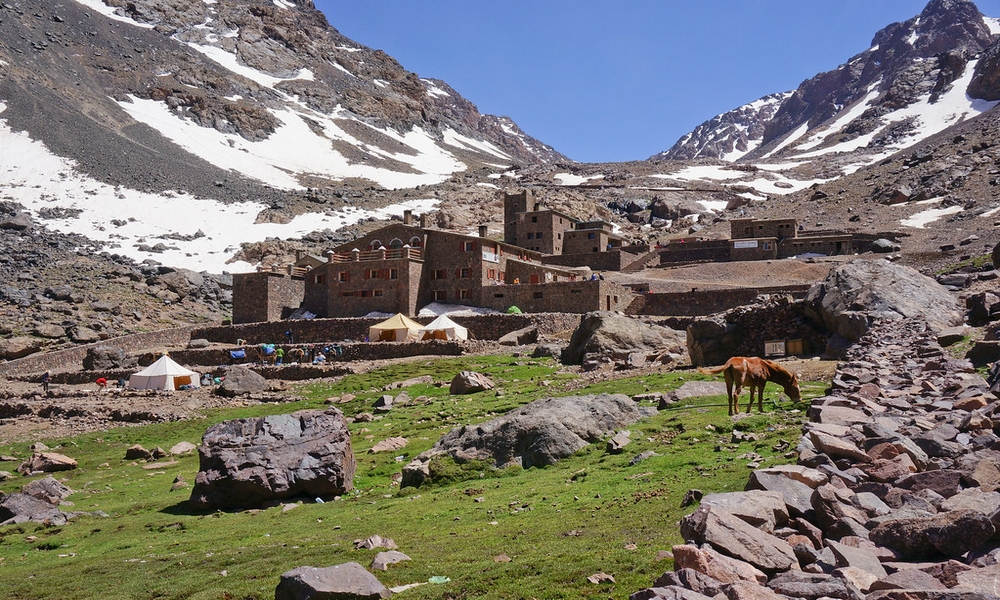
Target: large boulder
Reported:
point(861, 291)
point(603, 334)
point(240, 381)
point(249, 462)
point(470, 382)
point(106, 358)
point(19, 347)
point(46, 462)
point(537, 434)
point(20, 508)
point(348, 581)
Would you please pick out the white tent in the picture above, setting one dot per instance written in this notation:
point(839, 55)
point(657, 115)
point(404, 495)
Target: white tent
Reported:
point(164, 374)
point(443, 328)
point(398, 328)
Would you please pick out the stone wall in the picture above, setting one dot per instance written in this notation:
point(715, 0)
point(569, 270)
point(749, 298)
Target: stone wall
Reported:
point(312, 331)
point(705, 302)
point(72, 358)
point(613, 260)
point(698, 251)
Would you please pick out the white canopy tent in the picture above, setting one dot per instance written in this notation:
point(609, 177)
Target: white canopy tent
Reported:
point(443, 328)
point(164, 374)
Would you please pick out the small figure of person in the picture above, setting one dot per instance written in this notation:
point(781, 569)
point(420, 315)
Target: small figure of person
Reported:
point(46, 378)
point(319, 358)
point(102, 384)
point(279, 356)
point(288, 336)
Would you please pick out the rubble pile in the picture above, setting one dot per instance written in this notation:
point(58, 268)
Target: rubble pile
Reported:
point(896, 493)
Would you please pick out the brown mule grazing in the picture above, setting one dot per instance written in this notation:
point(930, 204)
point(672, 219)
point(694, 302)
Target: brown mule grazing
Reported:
point(754, 373)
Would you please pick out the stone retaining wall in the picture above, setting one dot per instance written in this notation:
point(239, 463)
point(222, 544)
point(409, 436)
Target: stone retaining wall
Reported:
point(481, 327)
point(706, 302)
point(72, 358)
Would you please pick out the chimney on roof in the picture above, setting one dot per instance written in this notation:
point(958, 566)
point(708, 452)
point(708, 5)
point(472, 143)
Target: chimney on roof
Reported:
point(424, 221)
point(407, 217)
point(329, 256)
point(482, 231)
point(537, 207)
point(298, 255)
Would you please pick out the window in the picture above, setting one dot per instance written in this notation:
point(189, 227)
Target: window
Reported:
point(574, 291)
point(416, 242)
point(347, 294)
point(534, 219)
point(537, 295)
point(469, 246)
point(393, 273)
point(437, 274)
point(371, 274)
point(344, 276)
point(318, 279)
point(498, 295)
point(440, 296)
point(463, 273)
point(375, 245)
point(463, 294)
point(531, 236)
point(377, 293)
point(396, 243)
point(491, 273)
point(538, 235)
point(365, 293)
point(590, 236)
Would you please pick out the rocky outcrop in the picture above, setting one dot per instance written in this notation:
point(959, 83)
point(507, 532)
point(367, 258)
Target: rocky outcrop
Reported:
point(537, 434)
point(896, 493)
point(610, 338)
point(856, 294)
point(250, 462)
point(470, 382)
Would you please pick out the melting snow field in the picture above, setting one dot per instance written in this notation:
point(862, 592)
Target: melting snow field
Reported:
point(925, 217)
point(37, 179)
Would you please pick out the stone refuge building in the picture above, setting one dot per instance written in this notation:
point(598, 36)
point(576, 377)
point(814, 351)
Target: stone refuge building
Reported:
point(402, 267)
point(763, 239)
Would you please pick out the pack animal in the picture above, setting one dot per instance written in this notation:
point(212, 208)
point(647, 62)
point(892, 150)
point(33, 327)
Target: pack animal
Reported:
point(754, 373)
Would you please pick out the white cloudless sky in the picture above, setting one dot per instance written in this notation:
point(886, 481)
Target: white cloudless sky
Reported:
point(617, 80)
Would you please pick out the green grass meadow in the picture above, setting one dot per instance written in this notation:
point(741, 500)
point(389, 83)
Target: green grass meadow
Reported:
point(593, 512)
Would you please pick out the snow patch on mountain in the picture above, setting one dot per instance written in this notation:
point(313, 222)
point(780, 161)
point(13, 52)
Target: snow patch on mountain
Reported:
point(193, 233)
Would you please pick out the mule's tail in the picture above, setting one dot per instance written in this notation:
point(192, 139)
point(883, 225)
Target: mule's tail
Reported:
point(712, 371)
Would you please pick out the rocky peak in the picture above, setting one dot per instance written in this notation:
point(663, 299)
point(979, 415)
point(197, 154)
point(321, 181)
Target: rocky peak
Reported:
point(921, 57)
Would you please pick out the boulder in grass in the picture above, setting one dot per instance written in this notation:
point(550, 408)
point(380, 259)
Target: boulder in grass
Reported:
point(348, 581)
point(46, 462)
point(21, 508)
point(470, 382)
point(47, 489)
point(250, 462)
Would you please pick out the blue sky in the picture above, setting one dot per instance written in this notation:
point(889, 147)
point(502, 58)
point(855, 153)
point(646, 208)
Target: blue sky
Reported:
point(617, 80)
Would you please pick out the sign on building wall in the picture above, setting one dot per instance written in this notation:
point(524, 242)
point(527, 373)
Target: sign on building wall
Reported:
point(745, 244)
point(774, 348)
point(490, 256)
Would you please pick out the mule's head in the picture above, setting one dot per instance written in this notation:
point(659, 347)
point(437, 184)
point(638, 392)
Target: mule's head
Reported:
point(792, 389)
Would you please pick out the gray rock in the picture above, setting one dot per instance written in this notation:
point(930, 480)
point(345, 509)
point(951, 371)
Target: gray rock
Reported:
point(616, 445)
point(537, 434)
point(106, 358)
point(382, 560)
point(348, 581)
point(46, 462)
point(951, 533)
point(240, 381)
point(20, 508)
point(521, 337)
point(470, 382)
point(47, 489)
point(864, 289)
point(735, 537)
point(613, 336)
point(249, 462)
point(763, 509)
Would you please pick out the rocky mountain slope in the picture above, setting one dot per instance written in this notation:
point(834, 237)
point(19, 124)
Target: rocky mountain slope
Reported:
point(879, 101)
point(146, 145)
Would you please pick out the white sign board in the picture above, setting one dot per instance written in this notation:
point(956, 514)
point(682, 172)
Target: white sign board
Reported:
point(745, 244)
point(774, 348)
